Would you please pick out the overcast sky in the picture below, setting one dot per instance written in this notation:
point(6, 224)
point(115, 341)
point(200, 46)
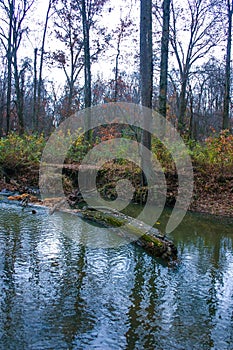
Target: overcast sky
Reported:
point(105, 65)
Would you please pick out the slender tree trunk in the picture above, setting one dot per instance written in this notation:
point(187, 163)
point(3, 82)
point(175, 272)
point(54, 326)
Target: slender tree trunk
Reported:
point(21, 102)
point(164, 59)
point(182, 104)
point(2, 103)
point(146, 71)
point(117, 71)
point(35, 90)
point(226, 103)
point(87, 61)
point(70, 97)
point(71, 83)
point(146, 74)
point(191, 121)
point(117, 61)
point(19, 94)
point(87, 68)
point(40, 81)
point(9, 68)
point(9, 80)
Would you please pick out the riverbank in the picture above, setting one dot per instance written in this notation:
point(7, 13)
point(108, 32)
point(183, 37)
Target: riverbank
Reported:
point(213, 191)
point(212, 161)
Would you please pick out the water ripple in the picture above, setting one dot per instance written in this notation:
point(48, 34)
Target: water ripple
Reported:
point(55, 292)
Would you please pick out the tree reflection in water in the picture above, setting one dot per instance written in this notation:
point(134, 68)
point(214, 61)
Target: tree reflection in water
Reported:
point(58, 293)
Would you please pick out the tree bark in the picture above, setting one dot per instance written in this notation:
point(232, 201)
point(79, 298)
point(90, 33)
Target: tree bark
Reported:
point(146, 71)
point(34, 90)
point(9, 67)
point(146, 75)
point(87, 68)
point(164, 59)
point(226, 103)
point(40, 81)
point(19, 94)
point(182, 103)
point(3, 102)
point(117, 69)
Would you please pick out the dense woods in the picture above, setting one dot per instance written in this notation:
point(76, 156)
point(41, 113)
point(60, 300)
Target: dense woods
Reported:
point(116, 174)
point(51, 64)
point(61, 56)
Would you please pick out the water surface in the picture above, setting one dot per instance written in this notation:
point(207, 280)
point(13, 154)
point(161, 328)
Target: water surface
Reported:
point(56, 293)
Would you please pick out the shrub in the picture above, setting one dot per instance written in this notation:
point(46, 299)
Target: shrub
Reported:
point(20, 151)
point(220, 148)
point(215, 151)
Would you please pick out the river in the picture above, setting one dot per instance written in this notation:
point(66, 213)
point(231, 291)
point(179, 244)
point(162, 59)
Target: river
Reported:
point(57, 293)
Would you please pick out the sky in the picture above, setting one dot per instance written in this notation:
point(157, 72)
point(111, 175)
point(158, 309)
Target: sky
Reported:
point(105, 65)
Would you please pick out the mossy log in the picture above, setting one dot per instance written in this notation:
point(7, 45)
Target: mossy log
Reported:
point(131, 229)
point(134, 230)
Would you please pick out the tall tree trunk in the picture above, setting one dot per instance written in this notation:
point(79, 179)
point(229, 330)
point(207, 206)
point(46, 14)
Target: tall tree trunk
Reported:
point(182, 104)
point(87, 67)
point(35, 90)
point(2, 102)
point(146, 71)
point(164, 59)
point(40, 81)
point(226, 103)
point(191, 120)
point(9, 67)
point(19, 93)
point(87, 61)
point(146, 75)
point(117, 71)
point(71, 83)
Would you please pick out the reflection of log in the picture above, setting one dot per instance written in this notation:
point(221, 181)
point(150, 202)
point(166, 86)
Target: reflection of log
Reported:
point(130, 229)
point(134, 230)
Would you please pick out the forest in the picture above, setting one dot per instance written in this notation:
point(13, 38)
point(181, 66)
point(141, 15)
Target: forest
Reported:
point(116, 175)
point(59, 57)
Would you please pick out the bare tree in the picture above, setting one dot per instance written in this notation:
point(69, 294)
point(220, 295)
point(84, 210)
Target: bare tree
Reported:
point(164, 59)
point(3, 89)
point(146, 70)
point(205, 98)
point(226, 105)
point(68, 30)
point(87, 58)
point(75, 22)
point(11, 34)
point(38, 81)
point(121, 31)
point(6, 40)
point(196, 21)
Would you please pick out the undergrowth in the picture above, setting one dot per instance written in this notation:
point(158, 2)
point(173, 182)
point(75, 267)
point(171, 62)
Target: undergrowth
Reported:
point(216, 152)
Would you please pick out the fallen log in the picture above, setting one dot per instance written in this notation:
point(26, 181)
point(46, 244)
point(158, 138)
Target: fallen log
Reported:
point(133, 230)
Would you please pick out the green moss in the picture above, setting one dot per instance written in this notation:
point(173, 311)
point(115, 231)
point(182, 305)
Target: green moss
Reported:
point(115, 222)
point(143, 236)
point(155, 240)
point(106, 219)
point(152, 244)
point(133, 229)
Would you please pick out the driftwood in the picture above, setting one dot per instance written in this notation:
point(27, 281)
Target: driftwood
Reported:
point(130, 229)
point(133, 230)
